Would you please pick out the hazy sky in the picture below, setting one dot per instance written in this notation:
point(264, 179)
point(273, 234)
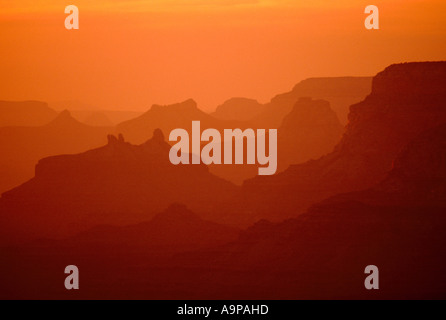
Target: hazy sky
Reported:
point(131, 54)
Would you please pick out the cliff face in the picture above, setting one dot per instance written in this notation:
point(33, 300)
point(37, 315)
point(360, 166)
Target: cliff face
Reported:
point(379, 128)
point(424, 157)
point(418, 175)
point(406, 100)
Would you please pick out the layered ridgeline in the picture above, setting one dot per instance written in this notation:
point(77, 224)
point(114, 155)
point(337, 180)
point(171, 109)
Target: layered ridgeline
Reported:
point(406, 100)
point(397, 225)
point(167, 118)
point(173, 230)
point(310, 130)
point(118, 183)
point(92, 115)
point(301, 136)
point(340, 92)
point(22, 146)
point(25, 113)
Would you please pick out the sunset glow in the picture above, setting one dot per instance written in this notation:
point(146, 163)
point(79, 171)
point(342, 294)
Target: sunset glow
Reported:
point(131, 54)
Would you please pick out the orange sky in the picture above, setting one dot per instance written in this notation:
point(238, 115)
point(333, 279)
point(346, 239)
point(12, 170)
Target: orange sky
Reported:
point(131, 54)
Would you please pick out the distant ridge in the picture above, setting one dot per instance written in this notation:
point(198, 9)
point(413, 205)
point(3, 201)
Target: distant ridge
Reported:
point(340, 92)
point(176, 228)
point(241, 109)
point(167, 118)
point(25, 113)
